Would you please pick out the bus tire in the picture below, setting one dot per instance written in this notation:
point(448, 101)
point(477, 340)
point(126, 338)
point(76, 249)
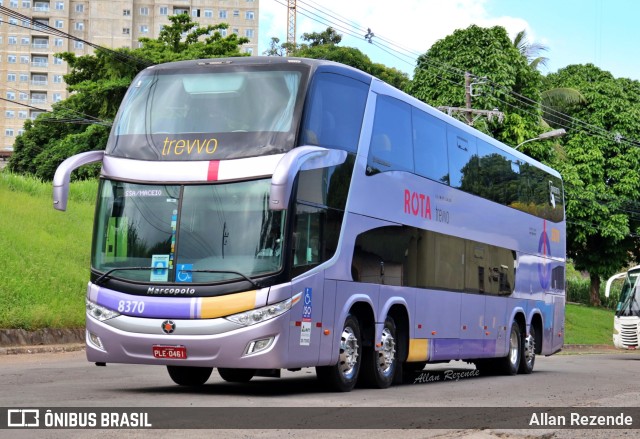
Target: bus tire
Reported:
point(528, 359)
point(510, 364)
point(236, 375)
point(379, 367)
point(342, 376)
point(189, 375)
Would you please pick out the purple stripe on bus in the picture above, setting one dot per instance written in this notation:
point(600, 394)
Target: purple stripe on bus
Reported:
point(142, 306)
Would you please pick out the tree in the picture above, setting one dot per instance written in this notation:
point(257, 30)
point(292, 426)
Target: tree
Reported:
point(503, 76)
point(184, 39)
point(555, 101)
point(600, 172)
point(98, 83)
point(325, 45)
point(530, 50)
point(275, 48)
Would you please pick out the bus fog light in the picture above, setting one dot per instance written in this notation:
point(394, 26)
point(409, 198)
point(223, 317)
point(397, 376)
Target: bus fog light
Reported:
point(95, 340)
point(258, 345)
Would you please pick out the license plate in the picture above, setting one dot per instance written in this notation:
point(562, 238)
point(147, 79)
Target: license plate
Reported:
point(170, 352)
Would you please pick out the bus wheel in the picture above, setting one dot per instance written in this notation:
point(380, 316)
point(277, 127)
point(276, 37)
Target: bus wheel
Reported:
point(510, 364)
point(236, 375)
point(379, 367)
point(528, 354)
point(342, 377)
point(189, 375)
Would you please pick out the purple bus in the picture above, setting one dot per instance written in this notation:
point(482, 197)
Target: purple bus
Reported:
point(258, 214)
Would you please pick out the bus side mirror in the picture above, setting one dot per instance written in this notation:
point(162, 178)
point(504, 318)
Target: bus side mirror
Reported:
point(62, 176)
point(607, 289)
point(302, 158)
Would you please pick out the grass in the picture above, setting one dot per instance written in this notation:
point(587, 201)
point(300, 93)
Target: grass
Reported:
point(44, 253)
point(588, 325)
point(45, 262)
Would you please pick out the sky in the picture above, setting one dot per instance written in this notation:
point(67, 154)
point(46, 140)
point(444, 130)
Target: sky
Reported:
point(601, 32)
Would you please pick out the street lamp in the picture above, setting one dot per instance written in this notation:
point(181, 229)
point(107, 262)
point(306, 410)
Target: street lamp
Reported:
point(548, 135)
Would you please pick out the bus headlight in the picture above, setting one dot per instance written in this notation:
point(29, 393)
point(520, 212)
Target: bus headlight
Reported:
point(100, 313)
point(265, 313)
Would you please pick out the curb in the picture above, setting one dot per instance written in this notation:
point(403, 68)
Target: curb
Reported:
point(20, 341)
point(44, 349)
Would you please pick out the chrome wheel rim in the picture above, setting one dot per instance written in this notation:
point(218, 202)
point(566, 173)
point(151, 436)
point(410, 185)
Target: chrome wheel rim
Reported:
point(348, 353)
point(513, 348)
point(530, 350)
point(387, 352)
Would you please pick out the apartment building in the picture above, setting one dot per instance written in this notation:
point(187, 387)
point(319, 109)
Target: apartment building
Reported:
point(31, 76)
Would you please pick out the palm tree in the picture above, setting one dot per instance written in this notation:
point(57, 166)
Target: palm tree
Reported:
point(530, 50)
point(556, 101)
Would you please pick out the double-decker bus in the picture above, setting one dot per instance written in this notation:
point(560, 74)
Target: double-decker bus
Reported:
point(259, 214)
point(626, 322)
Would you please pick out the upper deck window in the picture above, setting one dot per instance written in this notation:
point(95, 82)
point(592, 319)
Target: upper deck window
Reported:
point(209, 114)
point(334, 112)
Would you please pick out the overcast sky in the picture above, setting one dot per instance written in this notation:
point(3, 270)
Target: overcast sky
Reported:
point(601, 32)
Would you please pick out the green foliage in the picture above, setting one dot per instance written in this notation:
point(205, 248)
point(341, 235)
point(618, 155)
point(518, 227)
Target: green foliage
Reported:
point(484, 53)
point(601, 174)
point(530, 50)
point(45, 254)
point(99, 82)
point(184, 39)
point(324, 45)
point(588, 325)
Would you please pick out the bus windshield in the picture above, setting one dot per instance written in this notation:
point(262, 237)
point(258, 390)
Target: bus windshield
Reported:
point(629, 303)
point(183, 231)
point(209, 113)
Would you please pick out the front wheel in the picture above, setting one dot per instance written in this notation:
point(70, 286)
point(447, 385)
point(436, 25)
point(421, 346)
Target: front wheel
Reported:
point(236, 375)
point(342, 376)
point(379, 367)
point(189, 375)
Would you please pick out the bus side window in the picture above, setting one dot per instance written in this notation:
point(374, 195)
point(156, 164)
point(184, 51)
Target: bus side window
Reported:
point(430, 146)
point(391, 147)
point(463, 160)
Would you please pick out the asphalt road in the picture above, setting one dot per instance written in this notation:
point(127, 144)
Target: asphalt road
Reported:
point(68, 380)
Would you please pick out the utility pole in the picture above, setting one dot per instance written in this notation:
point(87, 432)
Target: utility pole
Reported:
point(468, 112)
point(291, 22)
point(467, 98)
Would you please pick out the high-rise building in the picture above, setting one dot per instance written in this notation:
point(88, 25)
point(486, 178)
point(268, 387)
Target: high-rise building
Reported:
point(31, 76)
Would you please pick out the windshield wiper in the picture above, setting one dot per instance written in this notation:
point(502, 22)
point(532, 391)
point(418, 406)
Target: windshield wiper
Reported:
point(106, 275)
point(242, 275)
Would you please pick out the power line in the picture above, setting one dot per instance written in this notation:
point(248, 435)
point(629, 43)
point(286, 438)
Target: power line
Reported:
point(353, 29)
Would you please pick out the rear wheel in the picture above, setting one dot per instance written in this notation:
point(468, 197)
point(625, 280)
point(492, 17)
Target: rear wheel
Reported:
point(189, 375)
point(342, 376)
point(510, 364)
point(528, 359)
point(379, 367)
point(236, 375)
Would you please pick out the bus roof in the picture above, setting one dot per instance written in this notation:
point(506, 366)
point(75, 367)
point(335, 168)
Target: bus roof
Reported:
point(331, 66)
point(267, 60)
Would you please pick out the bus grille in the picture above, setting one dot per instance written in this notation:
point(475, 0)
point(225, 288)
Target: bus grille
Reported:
point(629, 334)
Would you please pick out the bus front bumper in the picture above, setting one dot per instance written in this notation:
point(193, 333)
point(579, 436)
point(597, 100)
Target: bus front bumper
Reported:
point(200, 343)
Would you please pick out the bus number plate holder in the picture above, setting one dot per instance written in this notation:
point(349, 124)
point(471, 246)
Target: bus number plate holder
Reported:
point(170, 352)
